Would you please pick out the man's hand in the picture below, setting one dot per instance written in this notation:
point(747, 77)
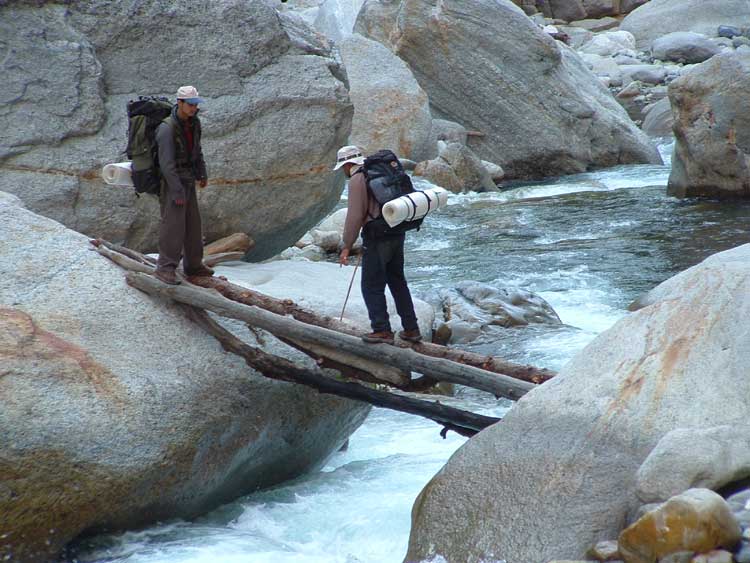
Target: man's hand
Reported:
point(343, 257)
point(202, 183)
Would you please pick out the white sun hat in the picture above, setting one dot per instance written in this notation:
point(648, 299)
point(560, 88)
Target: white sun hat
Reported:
point(189, 94)
point(349, 153)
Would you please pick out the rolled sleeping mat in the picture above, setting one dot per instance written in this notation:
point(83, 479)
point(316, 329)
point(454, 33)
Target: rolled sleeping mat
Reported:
point(118, 174)
point(414, 205)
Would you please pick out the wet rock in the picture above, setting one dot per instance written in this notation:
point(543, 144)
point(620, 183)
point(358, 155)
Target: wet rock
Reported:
point(694, 457)
point(593, 425)
point(604, 551)
point(457, 169)
point(391, 111)
point(728, 31)
point(684, 47)
point(738, 42)
point(117, 411)
point(496, 172)
point(660, 17)
point(474, 306)
point(658, 119)
point(448, 51)
point(251, 104)
point(712, 129)
point(697, 520)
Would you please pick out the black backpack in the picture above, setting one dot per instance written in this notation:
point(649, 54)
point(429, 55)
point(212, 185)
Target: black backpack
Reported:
point(144, 116)
point(386, 180)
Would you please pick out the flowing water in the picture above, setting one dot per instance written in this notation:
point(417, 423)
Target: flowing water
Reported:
point(589, 244)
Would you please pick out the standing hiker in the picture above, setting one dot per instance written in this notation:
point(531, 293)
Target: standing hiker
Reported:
point(382, 256)
point(182, 166)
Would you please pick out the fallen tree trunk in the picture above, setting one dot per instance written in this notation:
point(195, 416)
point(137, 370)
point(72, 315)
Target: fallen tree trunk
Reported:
point(246, 296)
point(285, 327)
point(462, 422)
point(240, 294)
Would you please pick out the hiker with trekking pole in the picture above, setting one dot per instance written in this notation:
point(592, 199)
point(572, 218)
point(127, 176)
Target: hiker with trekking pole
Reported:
point(373, 182)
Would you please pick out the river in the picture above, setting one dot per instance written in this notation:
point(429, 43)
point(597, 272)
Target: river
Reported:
point(589, 244)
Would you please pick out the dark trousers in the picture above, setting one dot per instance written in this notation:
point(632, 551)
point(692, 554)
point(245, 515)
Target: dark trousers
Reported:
point(180, 232)
point(383, 264)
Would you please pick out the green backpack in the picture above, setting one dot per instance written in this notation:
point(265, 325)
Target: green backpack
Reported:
point(144, 116)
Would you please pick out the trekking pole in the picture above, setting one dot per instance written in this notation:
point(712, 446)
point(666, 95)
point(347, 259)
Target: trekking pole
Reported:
point(350, 287)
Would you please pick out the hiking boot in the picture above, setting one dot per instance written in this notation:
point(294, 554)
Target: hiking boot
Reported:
point(410, 335)
point(201, 271)
point(167, 276)
point(379, 336)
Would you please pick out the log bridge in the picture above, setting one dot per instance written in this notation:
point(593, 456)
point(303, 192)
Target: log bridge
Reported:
point(379, 374)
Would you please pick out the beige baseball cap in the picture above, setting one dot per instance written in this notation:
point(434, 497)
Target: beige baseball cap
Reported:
point(189, 94)
point(349, 153)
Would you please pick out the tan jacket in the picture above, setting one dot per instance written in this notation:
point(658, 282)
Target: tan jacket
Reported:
point(360, 208)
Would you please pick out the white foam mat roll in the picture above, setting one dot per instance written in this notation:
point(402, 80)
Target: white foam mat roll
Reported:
point(414, 205)
point(117, 174)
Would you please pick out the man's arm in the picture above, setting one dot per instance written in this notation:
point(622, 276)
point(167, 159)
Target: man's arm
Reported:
point(165, 142)
point(356, 213)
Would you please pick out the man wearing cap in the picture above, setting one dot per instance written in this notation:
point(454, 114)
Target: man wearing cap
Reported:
point(182, 166)
point(382, 258)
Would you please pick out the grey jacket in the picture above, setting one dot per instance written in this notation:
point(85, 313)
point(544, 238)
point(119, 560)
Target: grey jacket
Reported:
point(179, 169)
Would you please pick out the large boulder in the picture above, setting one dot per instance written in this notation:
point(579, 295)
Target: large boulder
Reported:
point(684, 47)
point(391, 111)
point(487, 66)
point(117, 411)
point(660, 17)
point(559, 473)
point(658, 119)
point(276, 111)
point(712, 129)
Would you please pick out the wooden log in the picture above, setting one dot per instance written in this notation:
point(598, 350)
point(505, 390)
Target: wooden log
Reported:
point(211, 260)
point(404, 358)
point(463, 422)
point(238, 242)
point(240, 294)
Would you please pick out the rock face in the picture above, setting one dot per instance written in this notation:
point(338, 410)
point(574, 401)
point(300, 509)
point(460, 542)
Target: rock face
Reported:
point(267, 138)
point(391, 111)
point(698, 520)
point(569, 451)
point(712, 129)
point(117, 411)
point(660, 17)
point(487, 66)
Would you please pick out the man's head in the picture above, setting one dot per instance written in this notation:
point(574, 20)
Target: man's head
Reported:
point(348, 157)
point(187, 101)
